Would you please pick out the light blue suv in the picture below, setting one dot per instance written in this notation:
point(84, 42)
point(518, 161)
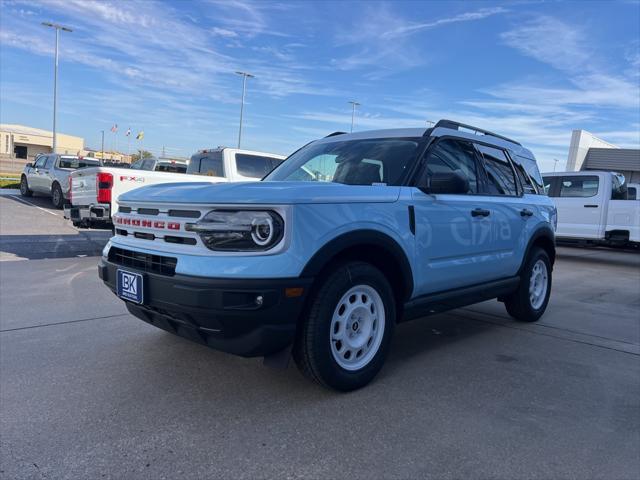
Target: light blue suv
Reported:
point(352, 234)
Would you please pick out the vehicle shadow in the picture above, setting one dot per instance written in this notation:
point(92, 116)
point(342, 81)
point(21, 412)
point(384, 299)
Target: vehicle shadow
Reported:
point(37, 247)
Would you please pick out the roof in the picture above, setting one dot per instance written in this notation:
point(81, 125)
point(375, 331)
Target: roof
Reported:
point(387, 133)
point(24, 130)
point(627, 159)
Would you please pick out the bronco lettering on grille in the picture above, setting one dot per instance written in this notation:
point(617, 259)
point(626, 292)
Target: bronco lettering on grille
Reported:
point(137, 222)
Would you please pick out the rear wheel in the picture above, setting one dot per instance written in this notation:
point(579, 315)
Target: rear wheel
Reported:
point(24, 187)
point(57, 198)
point(528, 303)
point(344, 341)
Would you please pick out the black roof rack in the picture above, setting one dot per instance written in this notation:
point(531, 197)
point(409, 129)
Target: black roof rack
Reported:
point(335, 133)
point(456, 126)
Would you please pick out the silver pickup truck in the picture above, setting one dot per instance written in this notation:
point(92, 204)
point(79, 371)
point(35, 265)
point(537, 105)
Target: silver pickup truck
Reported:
point(49, 175)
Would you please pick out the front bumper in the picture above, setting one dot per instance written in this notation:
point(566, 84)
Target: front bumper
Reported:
point(88, 213)
point(217, 312)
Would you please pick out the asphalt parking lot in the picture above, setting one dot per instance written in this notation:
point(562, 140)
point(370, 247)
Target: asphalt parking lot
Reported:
point(88, 391)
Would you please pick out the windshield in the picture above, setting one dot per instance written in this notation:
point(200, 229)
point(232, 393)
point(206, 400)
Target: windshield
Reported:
point(74, 163)
point(353, 162)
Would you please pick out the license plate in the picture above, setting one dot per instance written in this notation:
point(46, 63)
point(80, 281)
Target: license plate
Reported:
point(130, 286)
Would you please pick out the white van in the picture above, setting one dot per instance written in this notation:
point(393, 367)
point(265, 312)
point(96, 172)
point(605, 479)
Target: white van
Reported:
point(595, 207)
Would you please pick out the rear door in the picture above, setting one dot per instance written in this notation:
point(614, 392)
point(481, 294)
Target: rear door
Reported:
point(34, 177)
point(454, 246)
point(509, 209)
point(579, 200)
point(47, 173)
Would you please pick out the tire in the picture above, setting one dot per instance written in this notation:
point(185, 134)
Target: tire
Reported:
point(352, 310)
point(526, 304)
point(24, 187)
point(57, 198)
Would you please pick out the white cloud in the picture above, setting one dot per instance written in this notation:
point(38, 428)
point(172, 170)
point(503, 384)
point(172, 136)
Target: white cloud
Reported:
point(551, 41)
point(223, 32)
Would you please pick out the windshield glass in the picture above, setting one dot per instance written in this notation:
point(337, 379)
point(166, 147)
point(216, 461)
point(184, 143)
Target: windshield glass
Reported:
point(75, 162)
point(353, 162)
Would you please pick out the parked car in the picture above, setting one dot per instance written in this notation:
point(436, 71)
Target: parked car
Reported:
point(94, 192)
point(352, 234)
point(594, 207)
point(49, 175)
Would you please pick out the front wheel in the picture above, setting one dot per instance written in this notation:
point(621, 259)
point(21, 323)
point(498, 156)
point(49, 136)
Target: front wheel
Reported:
point(528, 303)
point(343, 342)
point(57, 198)
point(24, 187)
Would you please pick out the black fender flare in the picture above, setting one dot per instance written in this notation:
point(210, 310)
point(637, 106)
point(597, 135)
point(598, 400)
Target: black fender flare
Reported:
point(544, 232)
point(357, 238)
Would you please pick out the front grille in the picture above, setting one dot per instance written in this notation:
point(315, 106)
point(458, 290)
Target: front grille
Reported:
point(143, 261)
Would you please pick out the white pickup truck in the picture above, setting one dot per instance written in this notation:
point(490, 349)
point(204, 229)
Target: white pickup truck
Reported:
point(594, 207)
point(93, 192)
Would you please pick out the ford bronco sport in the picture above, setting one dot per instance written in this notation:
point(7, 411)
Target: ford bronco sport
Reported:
point(350, 235)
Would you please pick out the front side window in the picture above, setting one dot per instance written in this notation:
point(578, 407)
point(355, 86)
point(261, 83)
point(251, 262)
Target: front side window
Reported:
point(353, 162)
point(41, 161)
point(583, 186)
point(632, 193)
point(452, 156)
point(548, 184)
point(255, 166)
point(500, 177)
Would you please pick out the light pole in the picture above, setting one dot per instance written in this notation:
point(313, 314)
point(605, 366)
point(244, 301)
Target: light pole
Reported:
point(57, 28)
point(102, 145)
point(555, 160)
point(354, 104)
point(244, 75)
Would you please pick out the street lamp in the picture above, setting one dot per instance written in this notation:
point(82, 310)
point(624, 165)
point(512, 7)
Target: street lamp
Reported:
point(57, 28)
point(555, 163)
point(354, 104)
point(244, 75)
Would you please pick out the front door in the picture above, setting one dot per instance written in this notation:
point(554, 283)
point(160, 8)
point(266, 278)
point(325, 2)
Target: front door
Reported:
point(35, 174)
point(454, 246)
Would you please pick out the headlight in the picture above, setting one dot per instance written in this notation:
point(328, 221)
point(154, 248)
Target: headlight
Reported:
point(239, 230)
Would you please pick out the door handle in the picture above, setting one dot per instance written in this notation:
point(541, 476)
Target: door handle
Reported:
point(526, 212)
point(480, 212)
point(591, 206)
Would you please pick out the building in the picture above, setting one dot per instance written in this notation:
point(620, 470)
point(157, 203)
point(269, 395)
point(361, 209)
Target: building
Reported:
point(20, 144)
point(588, 152)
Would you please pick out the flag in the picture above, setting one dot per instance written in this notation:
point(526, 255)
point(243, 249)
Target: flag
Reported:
point(140, 135)
point(128, 132)
point(114, 129)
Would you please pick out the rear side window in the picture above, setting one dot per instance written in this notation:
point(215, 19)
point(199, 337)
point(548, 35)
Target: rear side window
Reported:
point(453, 156)
point(632, 193)
point(525, 180)
point(209, 164)
point(50, 160)
point(255, 166)
point(500, 177)
point(172, 167)
point(583, 186)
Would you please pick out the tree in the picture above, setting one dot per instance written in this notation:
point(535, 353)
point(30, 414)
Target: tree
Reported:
point(141, 154)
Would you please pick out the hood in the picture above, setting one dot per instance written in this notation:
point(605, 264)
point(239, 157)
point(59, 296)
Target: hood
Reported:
point(277, 193)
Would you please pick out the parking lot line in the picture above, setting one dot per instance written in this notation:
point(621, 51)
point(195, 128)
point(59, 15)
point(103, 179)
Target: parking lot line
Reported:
point(33, 205)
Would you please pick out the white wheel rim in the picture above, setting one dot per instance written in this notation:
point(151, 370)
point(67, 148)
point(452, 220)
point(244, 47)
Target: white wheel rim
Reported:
point(538, 284)
point(357, 327)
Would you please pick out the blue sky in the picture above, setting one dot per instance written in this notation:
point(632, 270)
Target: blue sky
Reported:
point(530, 70)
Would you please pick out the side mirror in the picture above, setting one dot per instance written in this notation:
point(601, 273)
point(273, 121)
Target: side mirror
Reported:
point(448, 182)
point(29, 165)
